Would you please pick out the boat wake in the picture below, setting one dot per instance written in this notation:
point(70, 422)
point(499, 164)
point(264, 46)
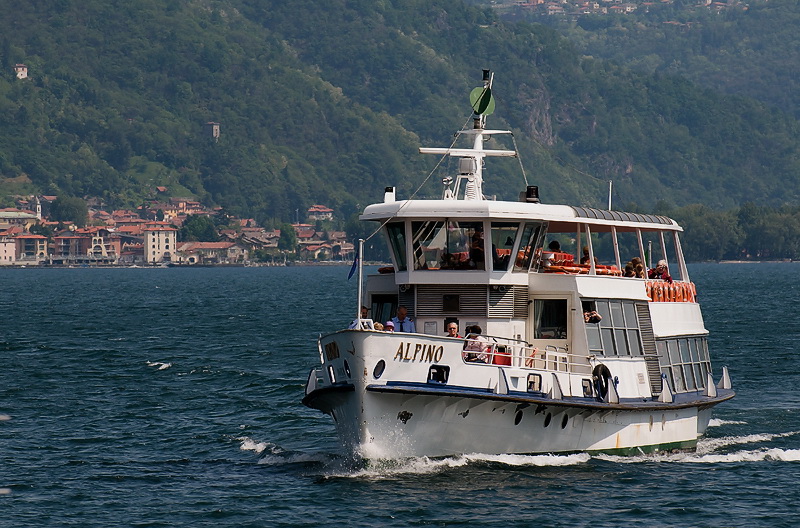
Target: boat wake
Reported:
point(717, 422)
point(708, 451)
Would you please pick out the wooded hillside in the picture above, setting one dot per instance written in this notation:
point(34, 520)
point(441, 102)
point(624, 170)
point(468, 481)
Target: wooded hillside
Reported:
point(328, 103)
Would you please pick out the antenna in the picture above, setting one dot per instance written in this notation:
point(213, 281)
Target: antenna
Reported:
point(609, 194)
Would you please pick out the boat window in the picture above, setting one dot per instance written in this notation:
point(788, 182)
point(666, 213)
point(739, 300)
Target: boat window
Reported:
point(383, 307)
point(617, 333)
point(685, 361)
point(550, 318)
point(503, 236)
point(397, 240)
point(530, 245)
point(442, 244)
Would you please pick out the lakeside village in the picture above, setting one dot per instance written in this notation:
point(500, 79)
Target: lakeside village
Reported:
point(149, 237)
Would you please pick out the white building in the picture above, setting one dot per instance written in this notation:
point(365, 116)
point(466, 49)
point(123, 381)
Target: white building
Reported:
point(160, 243)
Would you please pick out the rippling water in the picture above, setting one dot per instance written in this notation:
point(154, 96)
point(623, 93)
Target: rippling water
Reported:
point(170, 397)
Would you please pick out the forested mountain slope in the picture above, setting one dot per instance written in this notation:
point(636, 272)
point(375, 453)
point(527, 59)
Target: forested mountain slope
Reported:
point(752, 51)
point(328, 102)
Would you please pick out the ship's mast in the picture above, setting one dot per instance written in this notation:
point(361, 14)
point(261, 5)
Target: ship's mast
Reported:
point(470, 160)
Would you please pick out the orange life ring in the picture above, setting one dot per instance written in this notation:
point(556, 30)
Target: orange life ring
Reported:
point(658, 290)
point(648, 288)
point(680, 292)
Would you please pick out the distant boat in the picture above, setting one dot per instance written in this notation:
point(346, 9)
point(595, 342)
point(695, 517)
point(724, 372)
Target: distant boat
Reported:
point(561, 353)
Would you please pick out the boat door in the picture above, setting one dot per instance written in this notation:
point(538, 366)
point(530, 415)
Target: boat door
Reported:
point(551, 329)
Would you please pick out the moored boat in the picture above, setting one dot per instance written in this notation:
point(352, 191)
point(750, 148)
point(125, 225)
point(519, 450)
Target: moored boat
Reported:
point(562, 352)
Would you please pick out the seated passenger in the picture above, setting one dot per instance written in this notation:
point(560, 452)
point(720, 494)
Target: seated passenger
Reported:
point(585, 259)
point(628, 271)
point(660, 272)
point(638, 268)
point(476, 347)
point(388, 327)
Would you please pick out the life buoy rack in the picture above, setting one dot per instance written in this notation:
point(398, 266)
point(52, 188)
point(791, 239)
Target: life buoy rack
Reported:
point(601, 377)
point(662, 291)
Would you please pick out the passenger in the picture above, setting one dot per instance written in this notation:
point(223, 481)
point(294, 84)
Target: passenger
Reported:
point(591, 316)
point(388, 327)
point(628, 271)
point(476, 347)
point(638, 268)
point(554, 246)
point(378, 327)
point(402, 322)
point(452, 330)
point(660, 272)
point(476, 256)
point(585, 259)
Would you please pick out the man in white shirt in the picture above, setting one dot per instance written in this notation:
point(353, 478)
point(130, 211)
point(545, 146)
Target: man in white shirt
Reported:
point(402, 323)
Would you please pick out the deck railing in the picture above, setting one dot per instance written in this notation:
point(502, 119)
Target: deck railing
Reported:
point(513, 352)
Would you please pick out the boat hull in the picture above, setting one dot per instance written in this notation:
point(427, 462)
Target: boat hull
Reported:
point(406, 415)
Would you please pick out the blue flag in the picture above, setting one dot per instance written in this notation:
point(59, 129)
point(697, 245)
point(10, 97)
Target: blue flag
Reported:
point(353, 267)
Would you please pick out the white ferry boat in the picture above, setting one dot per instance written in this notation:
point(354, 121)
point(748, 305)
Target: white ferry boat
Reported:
point(569, 355)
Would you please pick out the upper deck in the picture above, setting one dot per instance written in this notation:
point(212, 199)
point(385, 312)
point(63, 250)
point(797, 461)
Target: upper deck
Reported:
point(559, 216)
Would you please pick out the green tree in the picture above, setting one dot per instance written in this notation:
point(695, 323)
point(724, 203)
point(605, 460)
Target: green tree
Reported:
point(69, 209)
point(288, 240)
point(198, 228)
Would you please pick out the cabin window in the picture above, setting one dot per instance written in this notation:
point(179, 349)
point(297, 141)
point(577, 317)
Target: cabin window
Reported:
point(685, 362)
point(617, 331)
point(550, 318)
point(442, 244)
point(397, 241)
point(503, 236)
point(384, 306)
point(530, 245)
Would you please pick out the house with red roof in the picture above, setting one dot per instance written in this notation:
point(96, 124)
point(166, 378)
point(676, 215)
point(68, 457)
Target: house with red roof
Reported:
point(319, 212)
point(211, 253)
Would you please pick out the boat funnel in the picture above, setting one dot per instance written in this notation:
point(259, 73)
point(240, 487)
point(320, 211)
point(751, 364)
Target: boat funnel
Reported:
point(389, 195)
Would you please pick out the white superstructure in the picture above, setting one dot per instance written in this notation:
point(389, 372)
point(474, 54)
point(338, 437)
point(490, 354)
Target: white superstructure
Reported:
point(573, 356)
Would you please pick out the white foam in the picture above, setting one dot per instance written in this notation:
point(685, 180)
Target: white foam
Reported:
point(389, 468)
point(533, 460)
point(758, 455)
point(248, 444)
point(159, 364)
point(707, 445)
point(717, 422)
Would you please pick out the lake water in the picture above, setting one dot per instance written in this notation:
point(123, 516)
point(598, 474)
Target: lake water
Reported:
point(171, 397)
